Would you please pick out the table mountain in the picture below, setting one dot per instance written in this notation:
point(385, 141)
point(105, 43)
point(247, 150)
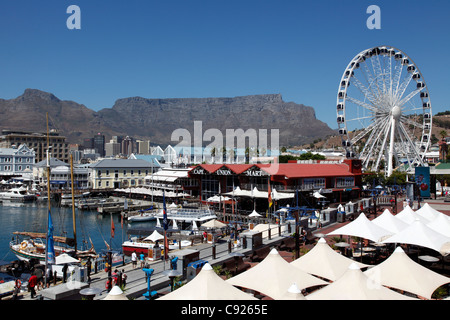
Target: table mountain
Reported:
point(156, 119)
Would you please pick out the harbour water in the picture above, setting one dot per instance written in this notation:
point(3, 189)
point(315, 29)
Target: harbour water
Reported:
point(89, 224)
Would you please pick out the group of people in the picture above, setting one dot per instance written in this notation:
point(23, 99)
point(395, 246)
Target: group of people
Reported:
point(37, 280)
point(134, 259)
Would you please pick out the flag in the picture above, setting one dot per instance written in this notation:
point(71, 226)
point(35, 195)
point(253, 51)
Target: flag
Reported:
point(269, 196)
point(165, 223)
point(112, 227)
point(50, 241)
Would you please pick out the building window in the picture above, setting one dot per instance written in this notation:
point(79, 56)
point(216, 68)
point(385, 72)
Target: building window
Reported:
point(313, 183)
point(99, 183)
point(345, 182)
point(124, 172)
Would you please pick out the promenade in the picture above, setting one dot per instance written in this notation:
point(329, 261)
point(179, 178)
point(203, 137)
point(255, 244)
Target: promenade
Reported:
point(136, 284)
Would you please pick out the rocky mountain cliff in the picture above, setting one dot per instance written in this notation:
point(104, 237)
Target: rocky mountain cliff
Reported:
point(156, 119)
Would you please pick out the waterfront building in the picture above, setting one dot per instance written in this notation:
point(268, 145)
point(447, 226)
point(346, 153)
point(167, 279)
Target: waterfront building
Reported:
point(175, 180)
point(16, 161)
point(99, 144)
point(37, 141)
point(60, 175)
point(338, 181)
point(120, 173)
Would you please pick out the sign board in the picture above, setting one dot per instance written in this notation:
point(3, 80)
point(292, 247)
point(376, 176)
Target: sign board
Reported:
point(423, 181)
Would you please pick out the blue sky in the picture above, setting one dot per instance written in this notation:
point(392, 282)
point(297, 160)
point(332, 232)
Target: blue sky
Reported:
point(212, 48)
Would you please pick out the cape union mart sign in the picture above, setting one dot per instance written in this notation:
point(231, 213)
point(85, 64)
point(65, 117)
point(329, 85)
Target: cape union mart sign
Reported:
point(219, 172)
point(255, 172)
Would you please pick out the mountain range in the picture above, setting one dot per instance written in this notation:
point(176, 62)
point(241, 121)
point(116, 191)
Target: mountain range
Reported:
point(156, 119)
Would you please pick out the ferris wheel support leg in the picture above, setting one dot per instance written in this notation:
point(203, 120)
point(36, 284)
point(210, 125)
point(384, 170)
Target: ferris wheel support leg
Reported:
point(391, 148)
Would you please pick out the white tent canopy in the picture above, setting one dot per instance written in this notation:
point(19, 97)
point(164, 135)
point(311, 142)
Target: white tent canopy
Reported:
point(363, 228)
point(428, 212)
point(389, 222)
point(293, 293)
point(409, 216)
point(400, 272)
point(254, 214)
point(65, 258)
point(317, 195)
point(155, 236)
point(207, 285)
point(324, 262)
point(419, 234)
point(441, 224)
point(116, 294)
point(355, 285)
point(273, 276)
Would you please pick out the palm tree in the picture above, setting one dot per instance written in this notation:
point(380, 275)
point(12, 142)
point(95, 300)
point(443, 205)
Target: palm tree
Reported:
point(213, 153)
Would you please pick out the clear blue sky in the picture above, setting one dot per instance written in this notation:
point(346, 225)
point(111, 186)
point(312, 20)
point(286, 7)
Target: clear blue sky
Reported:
point(212, 48)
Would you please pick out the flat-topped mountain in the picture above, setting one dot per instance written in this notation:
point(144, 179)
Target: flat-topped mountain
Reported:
point(156, 119)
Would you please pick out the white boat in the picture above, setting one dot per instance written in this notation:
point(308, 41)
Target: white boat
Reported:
point(143, 215)
point(188, 214)
point(17, 194)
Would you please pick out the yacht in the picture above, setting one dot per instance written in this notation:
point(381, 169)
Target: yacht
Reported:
point(17, 194)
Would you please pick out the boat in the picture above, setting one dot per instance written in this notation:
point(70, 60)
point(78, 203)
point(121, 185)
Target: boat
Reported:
point(142, 215)
point(17, 194)
point(188, 215)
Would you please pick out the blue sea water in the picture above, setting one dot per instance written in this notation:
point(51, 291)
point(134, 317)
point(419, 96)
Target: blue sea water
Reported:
point(89, 224)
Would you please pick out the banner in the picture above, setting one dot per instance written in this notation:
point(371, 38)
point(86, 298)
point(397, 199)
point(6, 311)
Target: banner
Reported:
point(423, 181)
point(50, 241)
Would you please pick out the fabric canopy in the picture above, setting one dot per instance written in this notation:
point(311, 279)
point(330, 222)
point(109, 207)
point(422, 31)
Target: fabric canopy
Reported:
point(214, 223)
point(324, 262)
point(207, 285)
point(293, 293)
point(355, 285)
point(363, 228)
point(389, 222)
point(273, 276)
point(419, 234)
point(409, 216)
point(116, 294)
point(254, 214)
point(428, 212)
point(441, 224)
point(400, 272)
point(65, 258)
point(155, 236)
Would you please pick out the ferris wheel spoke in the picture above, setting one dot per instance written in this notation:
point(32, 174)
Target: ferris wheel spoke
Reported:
point(401, 89)
point(411, 143)
point(362, 104)
point(408, 97)
point(363, 89)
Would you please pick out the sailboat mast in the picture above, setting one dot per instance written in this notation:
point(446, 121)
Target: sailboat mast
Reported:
point(48, 201)
point(73, 205)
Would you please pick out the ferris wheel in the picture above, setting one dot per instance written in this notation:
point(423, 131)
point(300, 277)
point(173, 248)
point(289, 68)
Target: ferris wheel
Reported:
point(384, 110)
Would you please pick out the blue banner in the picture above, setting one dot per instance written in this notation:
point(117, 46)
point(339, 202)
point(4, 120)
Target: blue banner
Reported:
point(423, 181)
point(165, 222)
point(50, 242)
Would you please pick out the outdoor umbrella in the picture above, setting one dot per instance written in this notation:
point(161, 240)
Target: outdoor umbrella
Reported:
point(214, 223)
point(273, 276)
point(116, 294)
point(324, 262)
point(401, 272)
point(155, 236)
point(355, 285)
point(389, 222)
point(363, 228)
point(417, 233)
point(207, 285)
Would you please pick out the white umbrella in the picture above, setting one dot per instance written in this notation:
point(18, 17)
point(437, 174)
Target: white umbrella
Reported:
point(273, 276)
point(363, 228)
point(389, 222)
point(65, 258)
point(155, 236)
point(318, 195)
point(207, 285)
point(254, 214)
point(116, 294)
point(400, 272)
point(419, 234)
point(428, 212)
point(324, 262)
point(214, 223)
point(355, 285)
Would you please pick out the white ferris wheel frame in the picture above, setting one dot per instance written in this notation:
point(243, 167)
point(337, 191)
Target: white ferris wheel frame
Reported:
point(385, 101)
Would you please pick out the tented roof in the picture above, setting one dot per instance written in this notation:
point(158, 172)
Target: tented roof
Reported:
point(273, 276)
point(441, 224)
point(389, 222)
point(207, 285)
point(363, 228)
point(428, 212)
point(419, 234)
point(155, 236)
point(409, 216)
point(214, 223)
point(355, 285)
point(400, 272)
point(324, 262)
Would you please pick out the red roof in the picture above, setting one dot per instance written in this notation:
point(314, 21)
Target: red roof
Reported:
point(289, 170)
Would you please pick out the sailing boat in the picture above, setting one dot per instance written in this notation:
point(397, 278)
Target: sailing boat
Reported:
point(40, 246)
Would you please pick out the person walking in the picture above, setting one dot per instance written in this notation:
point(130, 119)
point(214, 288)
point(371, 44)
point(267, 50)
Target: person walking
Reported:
point(124, 278)
point(134, 259)
point(142, 259)
point(32, 282)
